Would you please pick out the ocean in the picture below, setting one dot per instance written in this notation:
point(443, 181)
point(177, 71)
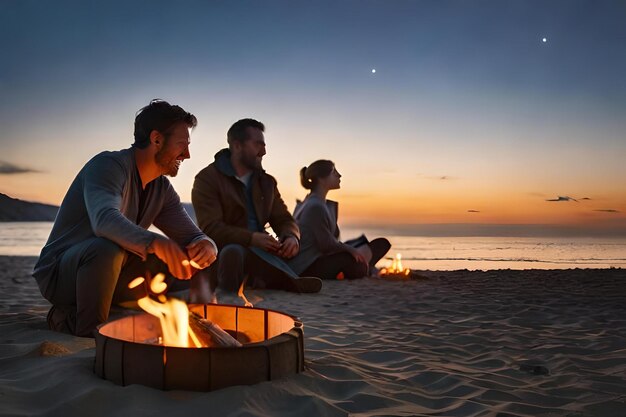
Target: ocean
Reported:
point(421, 253)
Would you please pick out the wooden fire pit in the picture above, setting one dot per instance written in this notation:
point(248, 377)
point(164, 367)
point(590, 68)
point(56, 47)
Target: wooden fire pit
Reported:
point(273, 347)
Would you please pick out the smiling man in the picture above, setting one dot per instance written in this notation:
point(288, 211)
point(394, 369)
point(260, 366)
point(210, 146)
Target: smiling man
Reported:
point(100, 242)
point(234, 199)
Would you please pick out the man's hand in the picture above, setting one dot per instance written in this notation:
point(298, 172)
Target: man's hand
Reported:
point(202, 253)
point(169, 252)
point(289, 248)
point(264, 241)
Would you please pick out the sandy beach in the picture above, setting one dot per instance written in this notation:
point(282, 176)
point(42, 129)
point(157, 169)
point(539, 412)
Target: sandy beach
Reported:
point(496, 343)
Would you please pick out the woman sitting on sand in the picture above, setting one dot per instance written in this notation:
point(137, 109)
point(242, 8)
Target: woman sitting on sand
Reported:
point(322, 254)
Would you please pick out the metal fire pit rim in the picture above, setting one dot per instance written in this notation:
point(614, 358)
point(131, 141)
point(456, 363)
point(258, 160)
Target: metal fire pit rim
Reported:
point(297, 324)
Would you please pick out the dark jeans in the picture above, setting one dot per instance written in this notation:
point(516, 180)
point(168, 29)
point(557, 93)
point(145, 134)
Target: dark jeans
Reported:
point(92, 276)
point(329, 266)
point(236, 263)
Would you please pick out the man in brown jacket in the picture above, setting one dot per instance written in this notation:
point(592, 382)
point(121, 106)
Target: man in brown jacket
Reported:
point(234, 199)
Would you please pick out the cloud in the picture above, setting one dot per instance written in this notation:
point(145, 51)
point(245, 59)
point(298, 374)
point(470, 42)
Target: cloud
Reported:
point(473, 211)
point(8, 169)
point(608, 210)
point(563, 198)
point(437, 177)
point(585, 198)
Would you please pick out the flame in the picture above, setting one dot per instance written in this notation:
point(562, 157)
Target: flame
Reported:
point(136, 282)
point(192, 263)
point(172, 313)
point(396, 268)
point(158, 285)
point(243, 296)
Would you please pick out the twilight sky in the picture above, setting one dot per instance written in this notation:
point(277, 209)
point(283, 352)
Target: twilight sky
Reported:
point(470, 116)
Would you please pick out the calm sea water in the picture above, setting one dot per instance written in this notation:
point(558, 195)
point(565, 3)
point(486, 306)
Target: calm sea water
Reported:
point(434, 253)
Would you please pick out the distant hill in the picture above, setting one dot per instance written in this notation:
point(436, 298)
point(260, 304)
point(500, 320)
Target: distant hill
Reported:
point(14, 210)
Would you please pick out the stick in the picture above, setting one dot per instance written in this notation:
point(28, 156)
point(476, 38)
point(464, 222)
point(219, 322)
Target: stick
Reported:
point(210, 332)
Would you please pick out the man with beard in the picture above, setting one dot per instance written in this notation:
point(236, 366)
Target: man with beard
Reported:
point(100, 242)
point(234, 199)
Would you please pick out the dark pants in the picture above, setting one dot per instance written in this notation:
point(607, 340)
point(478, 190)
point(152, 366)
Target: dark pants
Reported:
point(379, 247)
point(92, 276)
point(237, 263)
point(329, 266)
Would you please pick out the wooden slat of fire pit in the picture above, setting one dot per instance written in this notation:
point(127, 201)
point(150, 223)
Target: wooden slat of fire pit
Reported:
point(187, 369)
point(278, 323)
point(284, 355)
point(143, 364)
point(251, 322)
point(113, 366)
point(98, 367)
point(224, 316)
point(238, 366)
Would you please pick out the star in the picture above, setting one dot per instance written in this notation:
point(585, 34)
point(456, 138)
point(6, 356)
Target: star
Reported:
point(373, 70)
point(544, 40)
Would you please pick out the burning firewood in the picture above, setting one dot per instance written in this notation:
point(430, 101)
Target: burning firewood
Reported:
point(179, 326)
point(396, 270)
point(210, 334)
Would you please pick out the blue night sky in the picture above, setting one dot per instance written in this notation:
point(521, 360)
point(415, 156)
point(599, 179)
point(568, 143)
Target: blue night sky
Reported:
point(469, 118)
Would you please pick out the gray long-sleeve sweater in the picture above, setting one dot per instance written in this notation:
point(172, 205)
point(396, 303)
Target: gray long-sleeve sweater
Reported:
point(103, 201)
point(319, 233)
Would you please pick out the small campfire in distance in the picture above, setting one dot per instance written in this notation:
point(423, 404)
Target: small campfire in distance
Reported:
point(396, 270)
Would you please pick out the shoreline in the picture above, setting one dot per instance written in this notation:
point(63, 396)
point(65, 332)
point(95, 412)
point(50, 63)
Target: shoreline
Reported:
point(421, 252)
point(429, 271)
point(472, 343)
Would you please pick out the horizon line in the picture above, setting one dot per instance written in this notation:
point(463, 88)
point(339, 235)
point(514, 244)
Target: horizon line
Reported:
point(492, 229)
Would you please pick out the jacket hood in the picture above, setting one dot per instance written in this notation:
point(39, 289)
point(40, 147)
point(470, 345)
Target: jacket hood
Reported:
point(223, 164)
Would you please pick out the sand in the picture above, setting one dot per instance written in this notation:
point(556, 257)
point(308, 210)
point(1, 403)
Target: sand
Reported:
point(496, 343)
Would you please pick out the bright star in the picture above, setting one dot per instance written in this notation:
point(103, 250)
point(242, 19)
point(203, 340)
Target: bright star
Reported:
point(373, 70)
point(544, 40)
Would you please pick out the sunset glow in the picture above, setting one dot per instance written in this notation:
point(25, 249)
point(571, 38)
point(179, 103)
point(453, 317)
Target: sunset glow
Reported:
point(472, 120)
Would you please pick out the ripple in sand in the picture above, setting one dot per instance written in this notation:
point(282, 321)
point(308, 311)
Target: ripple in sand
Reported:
point(368, 402)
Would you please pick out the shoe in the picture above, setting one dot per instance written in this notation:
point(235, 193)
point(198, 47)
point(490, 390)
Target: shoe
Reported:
point(306, 285)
